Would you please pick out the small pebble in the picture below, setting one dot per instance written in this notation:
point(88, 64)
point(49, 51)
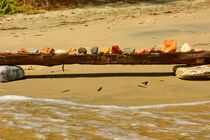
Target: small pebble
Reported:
point(186, 48)
point(61, 52)
point(82, 51)
point(169, 46)
point(116, 50)
point(47, 50)
point(106, 50)
point(128, 50)
point(72, 51)
point(94, 50)
point(22, 50)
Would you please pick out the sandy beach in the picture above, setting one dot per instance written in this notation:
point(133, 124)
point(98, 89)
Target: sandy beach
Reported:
point(141, 25)
point(106, 102)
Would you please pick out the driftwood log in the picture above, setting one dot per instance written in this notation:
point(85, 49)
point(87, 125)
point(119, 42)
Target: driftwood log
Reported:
point(126, 59)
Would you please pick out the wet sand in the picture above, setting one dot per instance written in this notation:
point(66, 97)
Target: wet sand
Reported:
point(105, 27)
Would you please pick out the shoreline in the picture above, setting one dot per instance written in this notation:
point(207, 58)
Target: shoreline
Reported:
point(6, 98)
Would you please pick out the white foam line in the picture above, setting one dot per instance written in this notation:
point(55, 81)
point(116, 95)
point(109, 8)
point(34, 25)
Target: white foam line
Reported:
point(65, 102)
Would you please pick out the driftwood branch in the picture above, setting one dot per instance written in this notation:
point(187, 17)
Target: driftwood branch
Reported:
point(128, 59)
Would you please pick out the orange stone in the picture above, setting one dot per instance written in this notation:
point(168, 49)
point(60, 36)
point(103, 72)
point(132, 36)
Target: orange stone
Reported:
point(22, 50)
point(169, 46)
point(72, 51)
point(47, 51)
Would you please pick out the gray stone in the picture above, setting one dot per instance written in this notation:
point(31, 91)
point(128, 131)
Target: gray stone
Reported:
point(94, 50)
point(34, 51)
point(193, 72)
point(128, 50)
point(10, 73)
point(82, 51)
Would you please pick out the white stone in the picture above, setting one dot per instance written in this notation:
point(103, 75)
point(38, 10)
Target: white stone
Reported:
point(193, 73)
point(59, 51)
point(10, 73)
point(186, 48)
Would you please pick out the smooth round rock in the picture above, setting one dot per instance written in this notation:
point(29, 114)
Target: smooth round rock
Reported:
point(186, 48)
point(193, 72)
point(106, 50)
point(10, 73)
point(82, 51)
point(94, 50)
point(128, 50)
point(60, 52)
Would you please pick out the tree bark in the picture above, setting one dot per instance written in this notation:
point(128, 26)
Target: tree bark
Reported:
point(126, 59)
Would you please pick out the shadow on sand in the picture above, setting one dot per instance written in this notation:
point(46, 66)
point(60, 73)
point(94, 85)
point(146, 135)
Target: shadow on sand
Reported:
point(92, 75)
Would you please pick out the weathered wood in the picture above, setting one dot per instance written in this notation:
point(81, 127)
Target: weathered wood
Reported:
point(128, 59)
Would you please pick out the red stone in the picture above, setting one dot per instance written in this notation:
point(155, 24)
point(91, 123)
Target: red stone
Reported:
point(116, 50)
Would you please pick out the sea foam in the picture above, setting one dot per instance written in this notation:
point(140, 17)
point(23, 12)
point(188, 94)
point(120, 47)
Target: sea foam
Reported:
point(66, 102)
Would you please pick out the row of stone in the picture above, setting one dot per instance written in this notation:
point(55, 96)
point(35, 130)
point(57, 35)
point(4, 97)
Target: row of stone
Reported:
point(170, 46)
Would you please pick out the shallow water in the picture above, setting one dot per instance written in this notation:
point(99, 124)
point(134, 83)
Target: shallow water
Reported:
point(35, 118)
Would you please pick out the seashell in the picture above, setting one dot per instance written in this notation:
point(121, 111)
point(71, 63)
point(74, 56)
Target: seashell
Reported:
point(169, 46)
point(186, 48)
point(106, 50)
point(82, 51)
point(94, 50)
point(128, 50)
point(47, 51)
point(10, 73)
point(116, 50)
point(22, 50)
point(61, 52)
point(72, 51)
point(141, 51)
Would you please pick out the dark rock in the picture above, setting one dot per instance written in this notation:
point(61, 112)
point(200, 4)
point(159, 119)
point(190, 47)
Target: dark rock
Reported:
point(82, 51)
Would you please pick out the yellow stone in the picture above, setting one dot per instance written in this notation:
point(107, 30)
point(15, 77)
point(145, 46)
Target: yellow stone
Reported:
point(106, 50)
